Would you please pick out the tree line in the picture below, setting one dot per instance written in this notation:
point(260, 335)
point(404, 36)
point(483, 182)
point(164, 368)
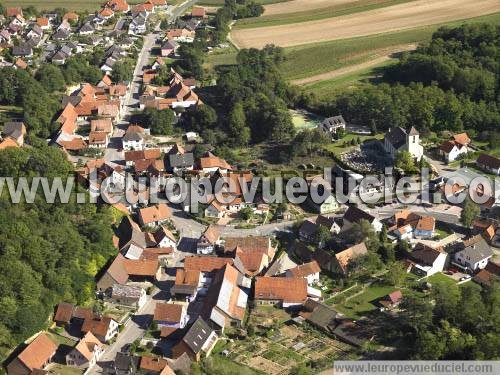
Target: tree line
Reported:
point(50, 252)
point(450, 84)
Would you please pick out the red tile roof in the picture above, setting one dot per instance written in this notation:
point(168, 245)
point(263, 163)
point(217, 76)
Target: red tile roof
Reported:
point(168, 312)
point(305, 269)
point(205, 263)
point(288, 290)
point(38, 352)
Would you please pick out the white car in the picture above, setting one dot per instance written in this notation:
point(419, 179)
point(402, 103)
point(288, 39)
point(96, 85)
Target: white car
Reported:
point(466, 277)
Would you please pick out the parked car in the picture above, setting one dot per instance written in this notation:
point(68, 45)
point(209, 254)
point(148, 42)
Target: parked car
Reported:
point(466, 277)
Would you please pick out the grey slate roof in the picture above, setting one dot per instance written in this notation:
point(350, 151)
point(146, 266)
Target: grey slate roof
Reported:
point(396, 137)
point(333, 122)
point(476, 251)
point(13, 129)
point(181, 161)
point(197, 335)
point(355, 215)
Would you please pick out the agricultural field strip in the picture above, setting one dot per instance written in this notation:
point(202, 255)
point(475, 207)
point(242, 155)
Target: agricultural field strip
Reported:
point(315, 14)
point(398, 17)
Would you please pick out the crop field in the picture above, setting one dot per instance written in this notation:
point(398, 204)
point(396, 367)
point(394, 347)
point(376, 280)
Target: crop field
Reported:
point(405, 16)
point(221, 2)
point(314, 14)
point(314, 59)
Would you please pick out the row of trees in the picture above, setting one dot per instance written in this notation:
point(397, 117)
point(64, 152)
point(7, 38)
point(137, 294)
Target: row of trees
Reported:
point(50, 252)
point(451, 84)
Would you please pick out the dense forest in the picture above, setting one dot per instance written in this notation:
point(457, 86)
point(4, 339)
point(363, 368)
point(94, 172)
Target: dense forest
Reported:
point(453, 83)
point(49, 252)
point(462, 324)
point(252, 101)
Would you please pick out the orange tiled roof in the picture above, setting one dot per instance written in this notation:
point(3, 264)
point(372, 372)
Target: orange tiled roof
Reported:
point(8, 142)
point(305, 269)
point(205, 264)
point(288, 290)
point(168, 312)
point(38, 352)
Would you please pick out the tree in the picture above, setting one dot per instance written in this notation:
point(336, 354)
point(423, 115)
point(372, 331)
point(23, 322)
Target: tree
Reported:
point(123, 70)
point(396, 274)
point(238, 130)
point(447, 298)
point(364, 232)
point(51, 77)
point(469, 212)
point(322, 236)
point(159, 121)
point(404, 161)
point(245, 213)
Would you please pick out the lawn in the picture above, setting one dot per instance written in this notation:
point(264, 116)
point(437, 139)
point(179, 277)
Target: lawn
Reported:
point(315, 14)
point(365, 302)
point(311, 59)
point(441, 278)
point(58, 369)
point(343, 144)
point(217, 364)
point(356, 79)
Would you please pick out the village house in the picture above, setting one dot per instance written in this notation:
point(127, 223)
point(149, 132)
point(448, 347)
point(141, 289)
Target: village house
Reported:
point(14, 130)
point(343, 259)
point(86, 353)
point(451, 149)
point(102, 327)
point(133, 138)
point(99, 140)
point(398, 140)
point(125, 364)
point(196, 276)
point(327, 202)
point(210, 163)
point(209, 240)
point(169, 48)
point(488, 274)
point(226, 299)
point(154, 366)
point(165, 238)
point(154, 215)
point(309, 271)
point(198, 12)
point(354, 215)
point(170, 317)
point(426, 261)
point(310, 227)
point(282, 291)
point(200, 338)
point(180, 163)
point(128, 295)
point(489, 163)
point(43, 23)
point(118, 5)
point(391, 300)
point(319, 315)
point(409, 225)
point(251, 254)
point(332, 125)
point(122, 269)
point(474, 255)
point(34, 358)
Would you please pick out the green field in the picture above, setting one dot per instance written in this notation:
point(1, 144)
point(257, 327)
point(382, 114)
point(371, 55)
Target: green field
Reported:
point(311, 59)
point(330, 87)
point(365, 302)
point(316, 14)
